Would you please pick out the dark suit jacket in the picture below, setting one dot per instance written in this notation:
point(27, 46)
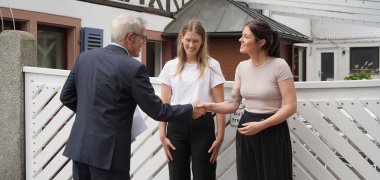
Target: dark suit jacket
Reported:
point(103, 88)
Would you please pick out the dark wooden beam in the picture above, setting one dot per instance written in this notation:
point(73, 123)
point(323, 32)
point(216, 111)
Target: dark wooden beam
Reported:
point(131, 7)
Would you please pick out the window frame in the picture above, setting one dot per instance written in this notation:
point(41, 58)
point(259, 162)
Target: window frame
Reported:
point(29, 21)
point(372, 71)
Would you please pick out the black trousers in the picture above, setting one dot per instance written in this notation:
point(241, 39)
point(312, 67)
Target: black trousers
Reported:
point(85, 172)
point(192, 142)
point(266, 155)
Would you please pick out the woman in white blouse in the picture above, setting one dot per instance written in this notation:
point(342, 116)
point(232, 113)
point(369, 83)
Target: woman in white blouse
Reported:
point(192, 76)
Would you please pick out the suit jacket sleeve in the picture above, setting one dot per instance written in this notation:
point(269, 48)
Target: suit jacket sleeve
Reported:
point(69, 91)
point(144, 95)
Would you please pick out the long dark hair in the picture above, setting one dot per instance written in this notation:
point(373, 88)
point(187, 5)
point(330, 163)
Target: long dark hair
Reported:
point(262, 30)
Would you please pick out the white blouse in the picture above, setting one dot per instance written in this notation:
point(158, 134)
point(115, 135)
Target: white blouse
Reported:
point(188, 87)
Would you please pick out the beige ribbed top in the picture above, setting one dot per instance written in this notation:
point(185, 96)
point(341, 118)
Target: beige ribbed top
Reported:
point(259, 85)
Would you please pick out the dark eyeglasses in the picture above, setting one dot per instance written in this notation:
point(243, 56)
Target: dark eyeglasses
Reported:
point(141, 36)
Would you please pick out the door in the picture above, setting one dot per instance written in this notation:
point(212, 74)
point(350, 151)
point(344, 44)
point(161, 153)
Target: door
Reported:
point(153, 58)
point(327, 65)
point(299, 63)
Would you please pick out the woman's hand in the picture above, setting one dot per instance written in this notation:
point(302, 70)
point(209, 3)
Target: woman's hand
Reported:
point(166, 144)
point(214, 150)
point(251, 128)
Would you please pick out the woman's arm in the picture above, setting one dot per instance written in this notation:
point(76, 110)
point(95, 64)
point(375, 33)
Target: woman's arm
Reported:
point(229, 106)
point(218, 96)
point(289, 103)
point(166, 94)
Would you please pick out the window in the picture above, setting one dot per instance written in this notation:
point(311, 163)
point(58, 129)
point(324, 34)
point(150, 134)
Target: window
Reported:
point(51, 47)
point(364, 59)
point(65, 30)
point(8, 25)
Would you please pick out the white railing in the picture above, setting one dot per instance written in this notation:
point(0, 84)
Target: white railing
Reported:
point(335, 134)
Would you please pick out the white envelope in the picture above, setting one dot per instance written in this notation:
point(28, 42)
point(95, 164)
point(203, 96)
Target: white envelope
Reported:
point(138, 125)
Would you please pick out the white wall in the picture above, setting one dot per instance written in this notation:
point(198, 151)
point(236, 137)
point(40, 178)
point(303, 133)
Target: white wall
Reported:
point(92, 15)
point(330, 36)
point(302, 25)
point(342, 60)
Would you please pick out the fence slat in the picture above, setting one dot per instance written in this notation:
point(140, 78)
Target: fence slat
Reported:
point(299, 173)
point(309, 161)
point(320, 149)
point(373, 105)
point(52, 148)
point(330, 109)
point(42, 98)
point(145, 152)
point(144, 136)
point(148, 169)
point(53, 166)
point(229, 174)
point(45, 114)
point(355, 109)
point(225, 160)
point(229, 138)
point(48, 132)
point(310, 114)
point(66, 172)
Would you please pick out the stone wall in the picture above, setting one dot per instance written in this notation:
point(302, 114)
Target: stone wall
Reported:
point(17, 49)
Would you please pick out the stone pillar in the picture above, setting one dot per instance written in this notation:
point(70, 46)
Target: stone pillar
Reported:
point(17, 49)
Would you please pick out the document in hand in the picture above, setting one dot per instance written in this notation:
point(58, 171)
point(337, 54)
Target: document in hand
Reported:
point(138, 125)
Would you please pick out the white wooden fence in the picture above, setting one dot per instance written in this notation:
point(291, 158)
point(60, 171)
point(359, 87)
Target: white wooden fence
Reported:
point(335, 134)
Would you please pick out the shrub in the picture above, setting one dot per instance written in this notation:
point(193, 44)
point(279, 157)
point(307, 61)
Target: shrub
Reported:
point(358, 76)
point(363, 72)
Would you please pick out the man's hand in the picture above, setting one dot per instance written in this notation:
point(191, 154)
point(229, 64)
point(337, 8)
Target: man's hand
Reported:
point(205, 106)
point(197, 111)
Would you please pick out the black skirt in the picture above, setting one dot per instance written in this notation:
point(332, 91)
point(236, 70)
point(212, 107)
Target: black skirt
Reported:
point(266, 155)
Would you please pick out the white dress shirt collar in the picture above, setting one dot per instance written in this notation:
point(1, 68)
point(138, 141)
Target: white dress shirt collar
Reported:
point(115, 44)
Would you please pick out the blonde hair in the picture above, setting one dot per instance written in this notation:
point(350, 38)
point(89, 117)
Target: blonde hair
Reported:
point(202, 55)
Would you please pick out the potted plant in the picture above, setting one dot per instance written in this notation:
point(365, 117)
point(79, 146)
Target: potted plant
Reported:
point(364, 72)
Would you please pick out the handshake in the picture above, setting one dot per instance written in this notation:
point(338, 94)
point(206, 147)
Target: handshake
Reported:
point(200, 108)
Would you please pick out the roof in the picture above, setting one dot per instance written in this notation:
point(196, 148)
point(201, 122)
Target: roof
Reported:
point(329, 30)
point(360, 12)
point(226, 18)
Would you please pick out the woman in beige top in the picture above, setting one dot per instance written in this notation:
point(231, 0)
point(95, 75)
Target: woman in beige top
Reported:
point(263, 149)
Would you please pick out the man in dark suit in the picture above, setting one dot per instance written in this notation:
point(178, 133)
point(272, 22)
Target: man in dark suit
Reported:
point(103, 89)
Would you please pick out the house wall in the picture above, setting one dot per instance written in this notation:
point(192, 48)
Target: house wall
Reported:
point(342, 64)
point(29, 21)
point(84, 14)
point(226, 51)
point(91, 15)
point(302, 25)
point(330, 36)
